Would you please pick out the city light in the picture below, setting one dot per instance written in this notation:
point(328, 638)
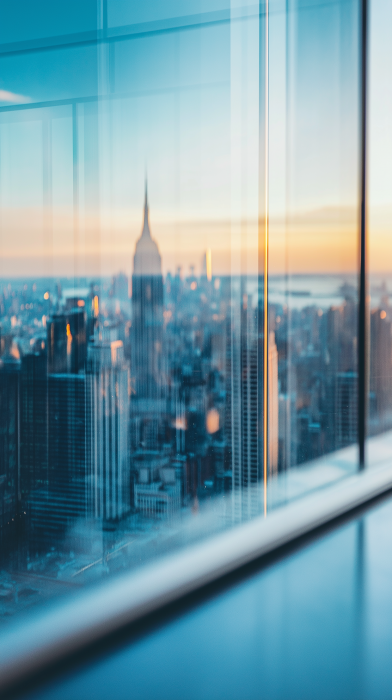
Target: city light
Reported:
point(209, 265)
point(212, 421)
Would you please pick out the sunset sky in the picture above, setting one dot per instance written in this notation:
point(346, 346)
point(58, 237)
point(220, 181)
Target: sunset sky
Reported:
point(185, 108)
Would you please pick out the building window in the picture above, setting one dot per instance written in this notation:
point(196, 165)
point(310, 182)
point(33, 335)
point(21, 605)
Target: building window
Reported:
point(187, 341)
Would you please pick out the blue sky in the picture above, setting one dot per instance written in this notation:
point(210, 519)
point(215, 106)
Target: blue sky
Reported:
point(186, 110)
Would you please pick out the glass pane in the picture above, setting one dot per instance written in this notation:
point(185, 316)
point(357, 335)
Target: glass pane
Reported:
point(313, 289)
point(379, 223)
point(153, 160)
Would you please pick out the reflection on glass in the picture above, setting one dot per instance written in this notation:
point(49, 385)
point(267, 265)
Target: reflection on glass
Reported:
point(380, 218)
point(133, 377)
point(313, 291)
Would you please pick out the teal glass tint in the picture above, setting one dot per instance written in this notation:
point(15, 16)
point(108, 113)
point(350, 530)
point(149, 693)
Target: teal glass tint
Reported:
point(178, 275)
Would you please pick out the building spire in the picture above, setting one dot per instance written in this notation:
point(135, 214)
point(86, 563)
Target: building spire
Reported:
point(146, 228)
point(147, 259)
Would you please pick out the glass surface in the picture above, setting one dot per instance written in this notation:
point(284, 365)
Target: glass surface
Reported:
point(313, 188)
point(325, 632)
point(168, 173)
point(380, 222)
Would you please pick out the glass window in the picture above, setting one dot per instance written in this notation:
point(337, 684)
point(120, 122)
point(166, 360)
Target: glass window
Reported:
point(178, 275)
point(380, 217)
point(313, 198)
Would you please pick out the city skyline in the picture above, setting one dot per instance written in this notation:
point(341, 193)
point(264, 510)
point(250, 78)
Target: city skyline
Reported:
point(124, 413)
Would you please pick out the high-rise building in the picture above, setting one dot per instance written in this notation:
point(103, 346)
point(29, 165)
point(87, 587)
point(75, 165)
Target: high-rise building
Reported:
point(62, 498)
point(287, 427)
point(107, 408)
point(33, 424)
point(273, 406)
point(243, 387)
point(346, 408)
point(147, 315)
point(148, 404)
point(76, 340)
point(67, 341)
point(66, 450)
point(9, 439)
point(381, 369)
point(57, 343)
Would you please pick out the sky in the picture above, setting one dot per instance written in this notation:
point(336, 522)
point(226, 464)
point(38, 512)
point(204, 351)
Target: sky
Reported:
point(183, 103)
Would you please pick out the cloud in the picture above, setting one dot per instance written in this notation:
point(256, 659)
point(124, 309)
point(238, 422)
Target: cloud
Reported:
point(6, 96)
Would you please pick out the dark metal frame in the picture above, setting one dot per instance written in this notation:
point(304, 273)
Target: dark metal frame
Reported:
point(362, 307)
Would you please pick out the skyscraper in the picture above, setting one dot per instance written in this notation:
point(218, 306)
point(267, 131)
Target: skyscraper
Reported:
point(147, 315)
point(380, 369)
point(148, 405)
point(107, 408)
point(273, 405)
point(242, 395)
point(346, 408)
point(66, 449)
point(62, 499)
point(33, 423)
point(9, 438)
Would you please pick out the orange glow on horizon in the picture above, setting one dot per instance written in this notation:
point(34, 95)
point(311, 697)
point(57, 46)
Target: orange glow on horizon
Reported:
point(318, 242)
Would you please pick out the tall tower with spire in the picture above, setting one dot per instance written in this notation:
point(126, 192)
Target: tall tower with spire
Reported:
point(147, 314)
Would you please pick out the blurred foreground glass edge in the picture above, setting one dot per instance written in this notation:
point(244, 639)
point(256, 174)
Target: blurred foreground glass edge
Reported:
point(147, 155)
point(33, 645)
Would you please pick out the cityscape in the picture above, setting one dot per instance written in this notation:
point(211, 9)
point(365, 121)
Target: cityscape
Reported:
point(133, 403)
